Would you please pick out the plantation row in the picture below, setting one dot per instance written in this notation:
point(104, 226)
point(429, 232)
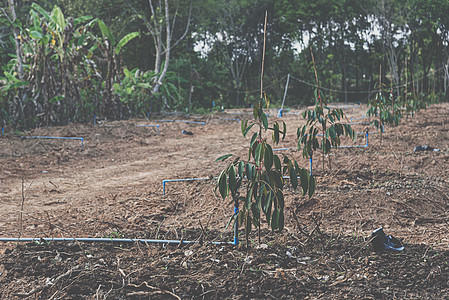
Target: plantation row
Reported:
point(255, 184)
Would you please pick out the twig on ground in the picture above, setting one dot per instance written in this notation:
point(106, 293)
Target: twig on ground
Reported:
point(49, 283)
point(364, 245)
point(59, 227)
point(155, 289)
point(22, 205)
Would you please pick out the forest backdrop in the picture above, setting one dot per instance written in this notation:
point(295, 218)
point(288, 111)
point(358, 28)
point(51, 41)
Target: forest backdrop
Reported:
point(67, 60)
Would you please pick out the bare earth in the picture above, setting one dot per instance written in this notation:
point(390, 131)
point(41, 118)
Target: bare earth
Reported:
point(113, 188)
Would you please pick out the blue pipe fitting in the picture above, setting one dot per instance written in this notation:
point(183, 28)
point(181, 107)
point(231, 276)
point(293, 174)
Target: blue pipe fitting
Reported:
point(310, 162)
point(236, 226)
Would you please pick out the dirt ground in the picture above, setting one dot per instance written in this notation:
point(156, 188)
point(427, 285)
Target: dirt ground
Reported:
point(112, 187)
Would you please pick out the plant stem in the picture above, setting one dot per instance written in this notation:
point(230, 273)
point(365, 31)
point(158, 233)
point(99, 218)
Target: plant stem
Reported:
point(323, 125)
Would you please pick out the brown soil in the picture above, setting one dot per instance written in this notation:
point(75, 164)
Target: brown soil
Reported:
point(113, 188)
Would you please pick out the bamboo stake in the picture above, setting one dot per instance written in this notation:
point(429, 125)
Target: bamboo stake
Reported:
point(263, 53)
point(261, 94)
point(316, 78)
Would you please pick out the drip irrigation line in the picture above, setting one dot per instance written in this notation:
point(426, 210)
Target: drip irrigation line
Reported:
point(105, 240)
point(362, 117)
point(193, 122)
point(150, 126)
point(183, 179)
point(360, 123)
point(184, 121)
point(284, 149)
point(230, 119)
point(55, 137)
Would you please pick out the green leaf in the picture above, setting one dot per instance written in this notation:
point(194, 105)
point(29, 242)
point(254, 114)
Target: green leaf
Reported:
point(277, 163)
point(332, 133)
point(232, 179)
point(81, 19)
point(125, 40)
point(129, 75)
point(58, 17)
point(266, 203)
point(247, 129)
point(264, 119)
point(222, 185)
point(243, 126)
point(268, 159)
point(36, 35)
point(256, 214)
point(304, 177)
point(275, 219)
point(224, 157)
point(143, 85)
point(284, 132)
point(241, 169)
point(258, 154)
point(106, 32)
point(256, 110)
point(268, 209)
point(280, 199)
point(312, 185)
point(249, 171)
point(281, 219)
point(293, 177)
point(42, 11)
point(276, 133)
point(248, 198)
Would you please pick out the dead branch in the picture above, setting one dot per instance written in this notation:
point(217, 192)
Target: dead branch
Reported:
point(155, 289)
point(46, 285)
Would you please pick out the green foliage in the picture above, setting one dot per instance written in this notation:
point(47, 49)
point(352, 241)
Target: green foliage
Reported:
point(386, 110)
point(323, 129)
point(86, 61)
point(134, 90)
point(258, 182)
